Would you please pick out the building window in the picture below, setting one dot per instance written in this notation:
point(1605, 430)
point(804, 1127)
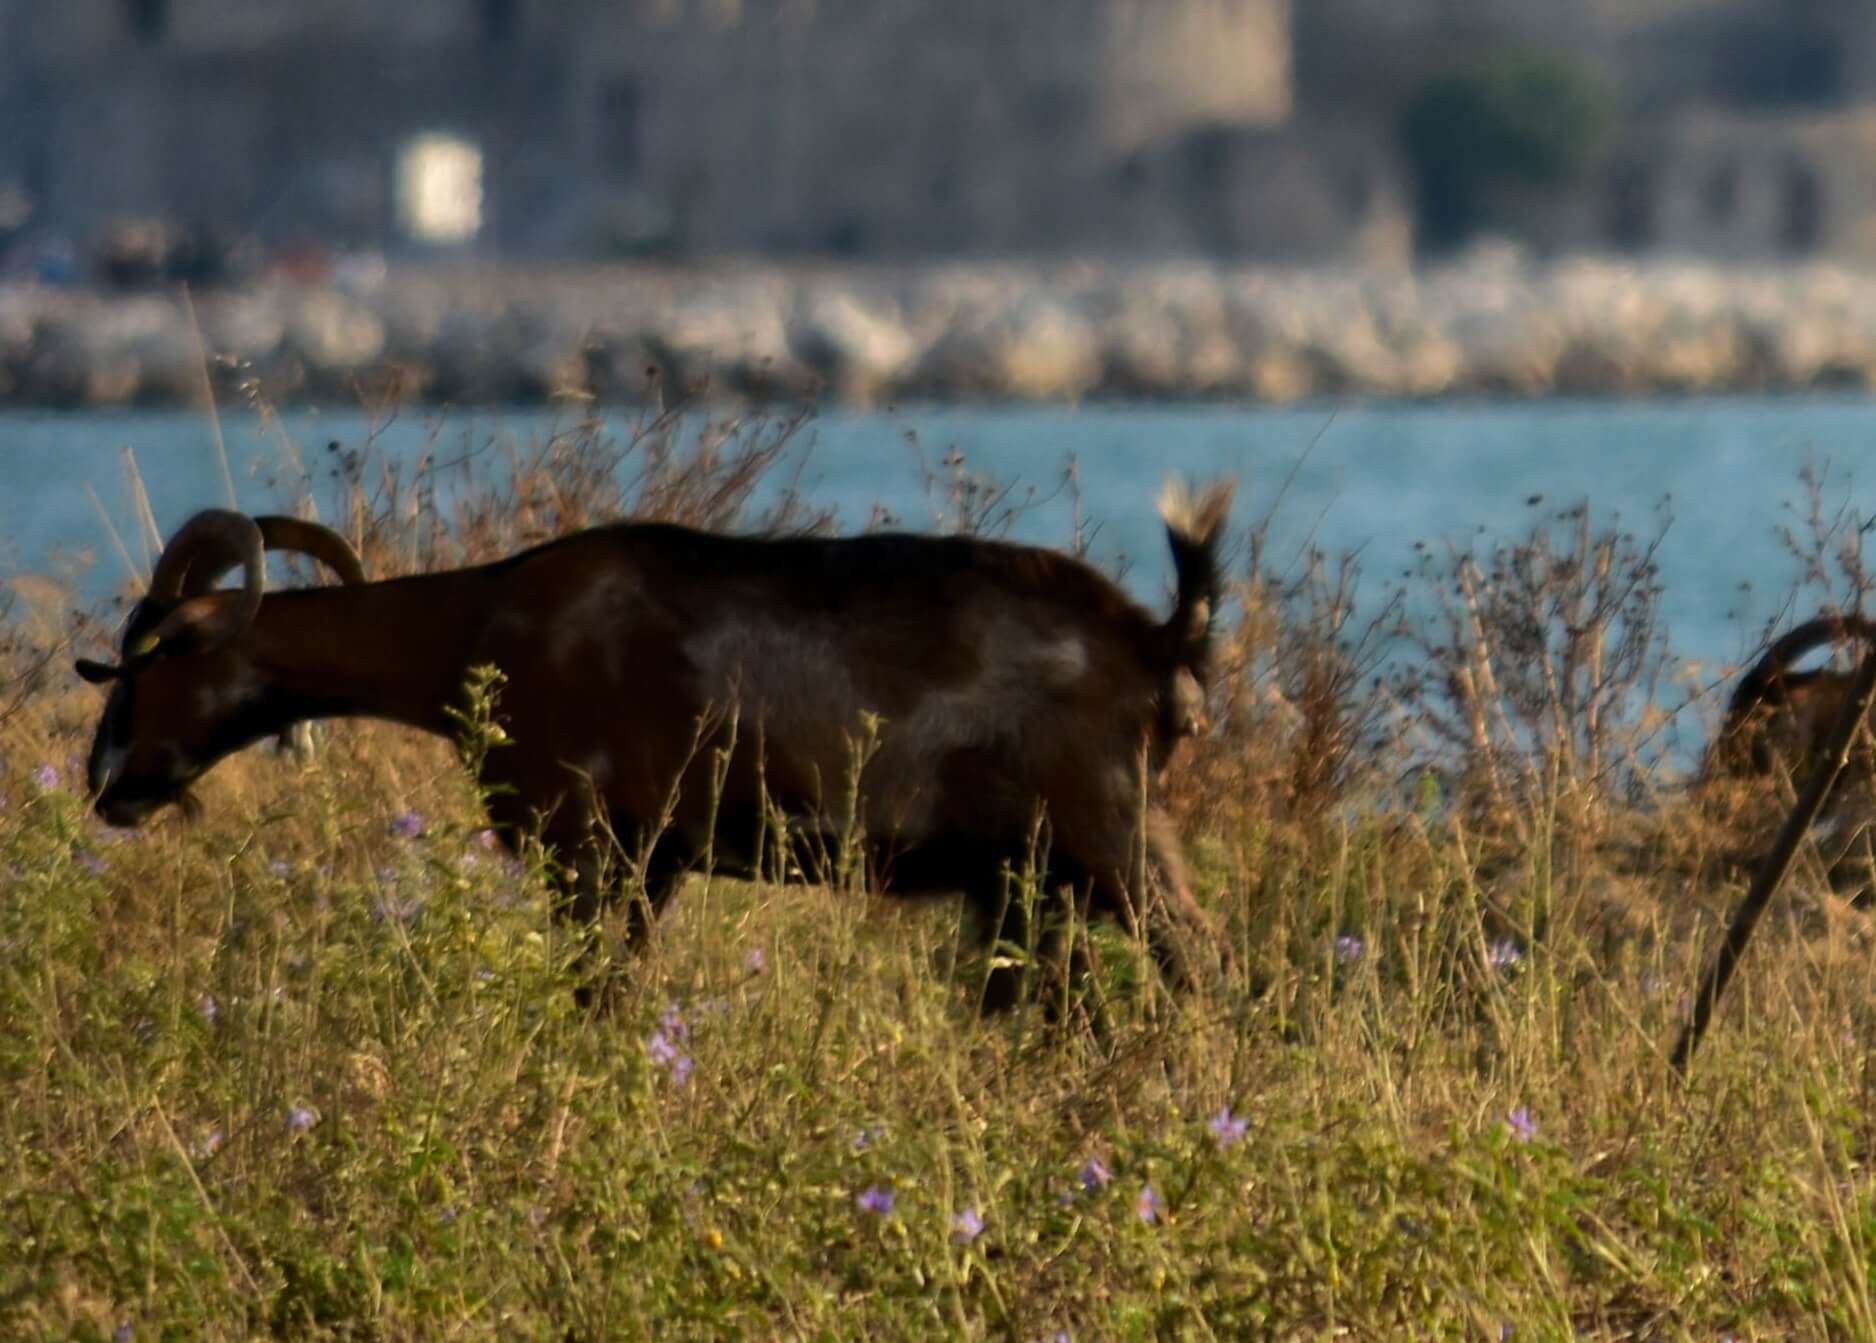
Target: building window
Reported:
point(619, 127)
point(149, 19)
point(1801, 210)
point(439, 189)
point(500, 19)
point(1719, 197)
point(1629, 207)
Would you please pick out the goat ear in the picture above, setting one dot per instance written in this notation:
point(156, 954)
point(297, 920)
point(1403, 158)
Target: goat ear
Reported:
point(200, 622)
point(97, 673)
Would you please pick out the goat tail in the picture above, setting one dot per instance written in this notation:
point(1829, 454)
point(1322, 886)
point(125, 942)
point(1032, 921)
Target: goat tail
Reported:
point(1195, 525)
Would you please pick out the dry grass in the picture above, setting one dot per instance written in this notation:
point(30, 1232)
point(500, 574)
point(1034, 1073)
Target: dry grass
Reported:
point(294, 1071)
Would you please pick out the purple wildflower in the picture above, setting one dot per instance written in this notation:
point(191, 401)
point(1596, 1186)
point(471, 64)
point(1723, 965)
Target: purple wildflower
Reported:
point(300, 1118)
point(407, 825)
point(966, 1227)
point(1523, 1127)
point(123, 1334)
point(208, 1007)
point(1095, 1174)
point(661, 1051)
point(756, 961)
point(875, 1200)
point(208, 1146)
point(1227, 1128)
point(1349, 948)
point(47, 776)
point(672, 1023)
point(93, 864)
point(1505, 1332)
point(1503, 954)
point(867, 1136)
point(280, 867)
point(485, 838)
point(680, 1069)
point(1149, 1205)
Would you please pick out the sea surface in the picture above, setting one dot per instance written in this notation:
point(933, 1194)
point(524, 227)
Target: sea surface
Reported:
point(1722, 475)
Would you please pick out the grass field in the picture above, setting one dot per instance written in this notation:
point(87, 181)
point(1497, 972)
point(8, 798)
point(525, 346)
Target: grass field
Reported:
point(310, 1066)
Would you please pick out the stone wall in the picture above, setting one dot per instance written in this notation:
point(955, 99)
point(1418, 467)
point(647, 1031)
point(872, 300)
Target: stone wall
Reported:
point(827, 125)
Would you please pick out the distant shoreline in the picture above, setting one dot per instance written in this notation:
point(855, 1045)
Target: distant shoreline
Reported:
point(863, 334)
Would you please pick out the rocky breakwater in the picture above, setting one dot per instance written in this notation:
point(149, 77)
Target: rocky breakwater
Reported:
point(1495, 324)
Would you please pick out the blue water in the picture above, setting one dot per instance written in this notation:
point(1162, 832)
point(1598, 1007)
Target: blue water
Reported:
point(1377, 478)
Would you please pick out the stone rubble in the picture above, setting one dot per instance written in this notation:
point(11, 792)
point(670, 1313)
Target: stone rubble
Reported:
point(867, 334)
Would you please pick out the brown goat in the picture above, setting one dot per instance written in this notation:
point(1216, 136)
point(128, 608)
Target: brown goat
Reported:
point(1779, 718)
point(674, 689)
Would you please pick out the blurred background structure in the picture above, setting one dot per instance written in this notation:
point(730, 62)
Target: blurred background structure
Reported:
point(1320, 130)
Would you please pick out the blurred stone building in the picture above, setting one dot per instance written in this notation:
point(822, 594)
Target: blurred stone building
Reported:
point(1745, 129)
point(570, 126)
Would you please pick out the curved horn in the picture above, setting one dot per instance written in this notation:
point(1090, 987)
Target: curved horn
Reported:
point(208, 546)
point(296, 536)
point(204, 548)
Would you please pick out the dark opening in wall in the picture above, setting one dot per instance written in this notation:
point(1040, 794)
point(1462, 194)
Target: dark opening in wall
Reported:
point(1719, 197)
point(619, 127)
point(1801, 212)
point(149, 19)
point(1630, 205)
point(501, 19)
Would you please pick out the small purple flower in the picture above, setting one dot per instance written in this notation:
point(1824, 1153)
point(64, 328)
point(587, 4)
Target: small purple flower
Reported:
point(1505, 1332)
point(485, 839)
point(660, 1049)
point(1503, 954)
point(280, 867)
point(875, 1200)
point(300, 1118)
point(1227, 1128)
point(208, 1007)
point(1349, 949)
point(93, 864)
point(1095, 1174)
point(407, 825)
point(208, 1146)
point(756, 961)
point(867, 1136)
point(966, 1227)
point(123, 1334)
point(1149, 1205)
point(680, 1069)
point(47, 777)
point(672, 1023)
point(1523, 1127)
